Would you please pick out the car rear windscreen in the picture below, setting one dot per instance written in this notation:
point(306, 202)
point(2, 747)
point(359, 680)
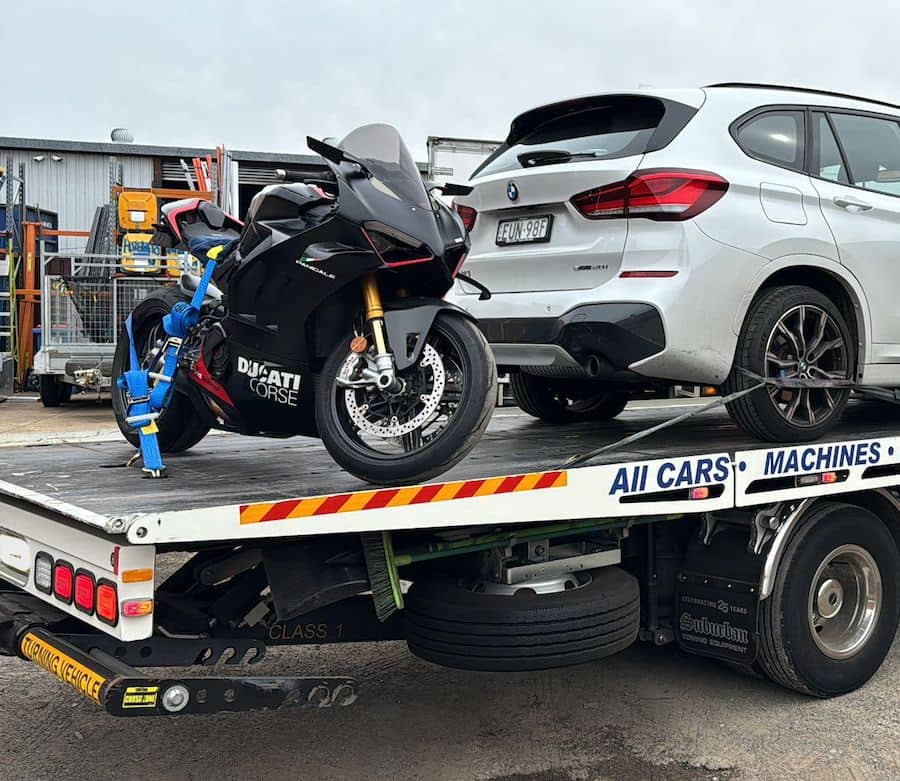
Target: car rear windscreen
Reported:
point(574, 131)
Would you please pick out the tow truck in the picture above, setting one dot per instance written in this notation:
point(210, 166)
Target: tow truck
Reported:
point(779, 561)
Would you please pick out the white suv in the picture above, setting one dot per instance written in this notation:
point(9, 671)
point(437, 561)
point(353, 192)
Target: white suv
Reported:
point(674, 236)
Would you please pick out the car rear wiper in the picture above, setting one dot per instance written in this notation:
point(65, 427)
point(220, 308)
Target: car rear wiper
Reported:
point(551, 156)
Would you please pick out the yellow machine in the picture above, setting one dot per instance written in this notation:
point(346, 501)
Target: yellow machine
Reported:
point(138, 210)
point(139, 256)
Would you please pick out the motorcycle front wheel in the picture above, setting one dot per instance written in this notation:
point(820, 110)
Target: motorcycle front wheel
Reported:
point(426, 427)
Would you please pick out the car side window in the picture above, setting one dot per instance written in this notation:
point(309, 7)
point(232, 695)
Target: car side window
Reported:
point(830, 164)
point(872, 147)
point(774, 137)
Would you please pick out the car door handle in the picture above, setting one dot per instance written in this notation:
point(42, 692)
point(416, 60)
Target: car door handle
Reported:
point(852, 205)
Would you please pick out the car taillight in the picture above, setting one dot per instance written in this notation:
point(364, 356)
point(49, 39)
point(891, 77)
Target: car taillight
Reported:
point(107, 603)
point(467, 214)
point(84, 591)
point(63, 577)
point(656, 194)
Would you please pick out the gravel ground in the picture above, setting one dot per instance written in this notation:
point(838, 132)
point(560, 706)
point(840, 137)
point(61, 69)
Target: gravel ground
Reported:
point(649, 713)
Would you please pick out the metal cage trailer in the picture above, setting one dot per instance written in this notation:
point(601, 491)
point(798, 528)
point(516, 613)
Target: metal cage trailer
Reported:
point(85, 299)
point(781, 561)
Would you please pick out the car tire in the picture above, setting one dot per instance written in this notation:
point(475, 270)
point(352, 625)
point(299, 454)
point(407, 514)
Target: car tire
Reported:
point(181, 424)
point(565, 401)
point(766, 348)
point(54, 391)
point(454, 626)
point(820, 659)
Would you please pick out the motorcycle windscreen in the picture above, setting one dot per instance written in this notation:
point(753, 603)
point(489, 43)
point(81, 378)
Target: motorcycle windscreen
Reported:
point(394, 192)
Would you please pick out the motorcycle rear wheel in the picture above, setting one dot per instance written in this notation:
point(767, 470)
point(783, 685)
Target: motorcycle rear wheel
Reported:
point(181, 424)
point(469, 364)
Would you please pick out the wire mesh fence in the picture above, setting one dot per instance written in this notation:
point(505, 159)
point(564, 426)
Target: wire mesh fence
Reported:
point(87, 304)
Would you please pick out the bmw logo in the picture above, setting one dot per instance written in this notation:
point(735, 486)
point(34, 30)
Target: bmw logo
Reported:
point(512, 191)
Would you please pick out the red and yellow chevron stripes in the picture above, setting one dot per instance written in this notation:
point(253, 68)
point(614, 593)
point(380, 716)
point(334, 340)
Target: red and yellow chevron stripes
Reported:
point(399, 497)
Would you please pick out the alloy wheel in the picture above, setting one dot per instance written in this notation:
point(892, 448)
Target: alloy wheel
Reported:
point(806, 343)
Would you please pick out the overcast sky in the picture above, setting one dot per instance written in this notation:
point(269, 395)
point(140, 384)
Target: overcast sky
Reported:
point(263, 74)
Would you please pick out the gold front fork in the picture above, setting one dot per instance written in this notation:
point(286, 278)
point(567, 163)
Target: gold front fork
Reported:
point(374, 312)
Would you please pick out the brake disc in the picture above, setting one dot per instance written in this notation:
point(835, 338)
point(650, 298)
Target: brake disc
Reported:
point(394, 427)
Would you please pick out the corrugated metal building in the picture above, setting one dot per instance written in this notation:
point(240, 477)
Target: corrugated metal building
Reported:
point(71, 178)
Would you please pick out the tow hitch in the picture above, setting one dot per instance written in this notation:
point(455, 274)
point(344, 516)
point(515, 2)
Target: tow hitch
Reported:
point(122, 691)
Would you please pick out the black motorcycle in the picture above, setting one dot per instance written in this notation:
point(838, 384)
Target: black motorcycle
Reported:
point(324, 317)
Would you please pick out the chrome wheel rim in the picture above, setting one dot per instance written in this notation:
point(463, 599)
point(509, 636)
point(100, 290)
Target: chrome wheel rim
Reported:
point(806, 343)
point(551, 584)
point(845, 600)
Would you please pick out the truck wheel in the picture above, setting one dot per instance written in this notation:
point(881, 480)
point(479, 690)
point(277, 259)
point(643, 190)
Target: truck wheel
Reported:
point(791, 331)
point(470, 626)
point(181, 425)
point(832, 616)
point(54, 391)
point(565, 401)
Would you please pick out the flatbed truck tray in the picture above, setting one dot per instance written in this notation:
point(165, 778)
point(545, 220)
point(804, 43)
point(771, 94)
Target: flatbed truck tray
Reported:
point(256, 514)
point(233, 488)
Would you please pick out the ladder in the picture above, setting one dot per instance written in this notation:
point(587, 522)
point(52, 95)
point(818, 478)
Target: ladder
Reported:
point(8, 278)
point(7, 326)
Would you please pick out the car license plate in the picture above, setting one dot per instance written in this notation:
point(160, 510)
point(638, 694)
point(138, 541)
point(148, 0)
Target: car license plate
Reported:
point(523, 230)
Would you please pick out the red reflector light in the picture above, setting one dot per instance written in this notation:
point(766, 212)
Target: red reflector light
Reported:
point(467, 215)
point(656, 194)
point(63, 582)
point(84, 591)
point(647, 274)
point(107, 603)
point(829, 477)
point(700, 493)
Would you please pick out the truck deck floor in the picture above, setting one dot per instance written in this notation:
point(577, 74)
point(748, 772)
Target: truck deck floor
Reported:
point(233, 469)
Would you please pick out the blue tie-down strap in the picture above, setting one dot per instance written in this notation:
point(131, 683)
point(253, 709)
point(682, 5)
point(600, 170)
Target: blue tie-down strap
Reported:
point(181, 319)
point(184, 316)
point(142, 412)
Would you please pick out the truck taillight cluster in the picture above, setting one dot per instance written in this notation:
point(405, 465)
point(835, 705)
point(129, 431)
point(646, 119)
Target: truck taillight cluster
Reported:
point(90, 595)
point(657, 194)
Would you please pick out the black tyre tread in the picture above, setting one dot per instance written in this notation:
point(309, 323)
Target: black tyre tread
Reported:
point(533, 403)
point(589, 643)
point(611, 589)
point(745, 410)
point(775, 652)
point(534, 629)
point(533, 658)
point(385, 473)
point(514, 644)
point(54, 391)
point(449, 625)
point(182, 425)
point(533, 399)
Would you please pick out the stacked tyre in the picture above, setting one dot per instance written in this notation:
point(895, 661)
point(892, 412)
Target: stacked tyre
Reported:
point(451, 624)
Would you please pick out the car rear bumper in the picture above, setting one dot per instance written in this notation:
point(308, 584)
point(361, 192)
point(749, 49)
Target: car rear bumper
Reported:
point(599, 340)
